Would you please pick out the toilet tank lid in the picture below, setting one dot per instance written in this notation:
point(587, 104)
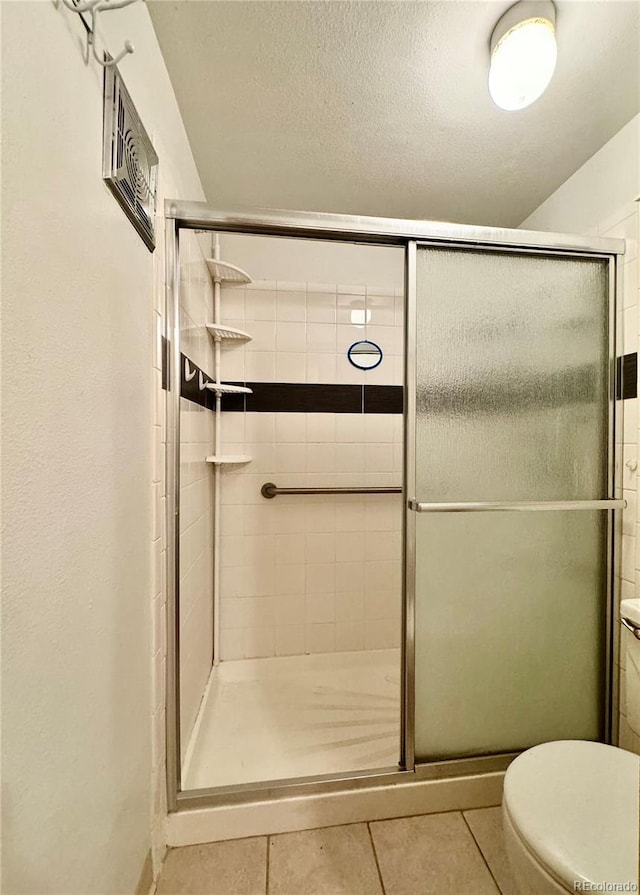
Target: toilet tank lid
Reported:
point(575, 805)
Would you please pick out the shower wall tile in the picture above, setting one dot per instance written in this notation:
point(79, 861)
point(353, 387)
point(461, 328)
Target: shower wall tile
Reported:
point(626, 225)
point(306, 573)
point(325, 567)
point(315, 323)
point(197, 436)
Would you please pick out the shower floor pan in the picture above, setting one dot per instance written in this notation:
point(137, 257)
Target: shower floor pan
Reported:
point(296, 716)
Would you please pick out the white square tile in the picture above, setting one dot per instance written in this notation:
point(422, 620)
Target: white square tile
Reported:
point(378, 427)
point(321, 578)
point(628, 563)
point(350, 547)
point(321, 307)
point(291, 337)
point(350, 457)
point(263, 333)
point(321, 457)
point(320, 638)
point(259, 642)
point(350, 427)
point(290, 427)
point(321, 517)
point(349, 636)
point(232, 644)
point(290, 579)
point(382, 308)
point(290, 458)
point(320, 547)
point(291, 367)
point(379, 634)
point(382, 604)
point(350, 516)
point(290, 549)
point(350, 606)
point(321, 427)
point(259, 304)
point(320, 608)
point(378, 457)
point(259, 366)
point(629, 409)
point(630, 513)
point(350, 577)
point(290, 609)
point(321, 338)
point(291, 306)
point(321, 368)
point(630, 283)
point(260, 427)
point(290, 640)
point(630, 323)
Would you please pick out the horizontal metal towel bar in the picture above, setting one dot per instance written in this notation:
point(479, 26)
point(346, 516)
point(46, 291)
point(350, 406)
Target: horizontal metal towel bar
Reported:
point(270, 490)
point(516, 505)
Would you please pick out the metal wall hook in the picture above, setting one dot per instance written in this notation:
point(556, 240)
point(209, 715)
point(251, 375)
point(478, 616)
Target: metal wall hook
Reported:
point(93, 8)
point(188, 375)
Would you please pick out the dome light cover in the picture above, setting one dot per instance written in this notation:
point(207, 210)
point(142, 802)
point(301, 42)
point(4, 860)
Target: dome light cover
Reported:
point(523, 54)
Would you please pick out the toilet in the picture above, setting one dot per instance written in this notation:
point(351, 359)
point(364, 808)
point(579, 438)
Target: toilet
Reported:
point(571, 816)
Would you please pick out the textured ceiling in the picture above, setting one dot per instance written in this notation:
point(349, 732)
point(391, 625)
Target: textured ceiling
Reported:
point(382, 107)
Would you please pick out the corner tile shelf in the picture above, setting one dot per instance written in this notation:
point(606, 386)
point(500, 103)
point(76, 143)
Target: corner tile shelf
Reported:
point(222, 333)
point(222, 388)
point(221, 461)
point(229, 274)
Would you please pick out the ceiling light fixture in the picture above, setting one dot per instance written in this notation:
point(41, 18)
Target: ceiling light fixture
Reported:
point(523, 54)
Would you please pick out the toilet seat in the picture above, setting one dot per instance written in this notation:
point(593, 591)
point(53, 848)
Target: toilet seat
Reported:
point(574, 805)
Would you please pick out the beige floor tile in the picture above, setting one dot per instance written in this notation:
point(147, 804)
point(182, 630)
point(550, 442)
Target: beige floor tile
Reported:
point(486, 826)
point(237, 867)
point(331, 861)
point(430, 855)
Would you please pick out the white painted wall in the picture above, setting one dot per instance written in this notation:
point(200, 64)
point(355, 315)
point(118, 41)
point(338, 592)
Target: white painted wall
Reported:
point(595, 192)
point(599, 200)
point(82, 298)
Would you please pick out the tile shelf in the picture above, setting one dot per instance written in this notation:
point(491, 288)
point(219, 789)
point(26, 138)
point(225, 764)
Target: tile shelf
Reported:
point(221, 333)
point(221, 461)
point(223, 388)
point(229, 274)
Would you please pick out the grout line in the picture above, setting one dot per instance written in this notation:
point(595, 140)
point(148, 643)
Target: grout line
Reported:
point(478, 846)
point(375, 857)
point(266, 882)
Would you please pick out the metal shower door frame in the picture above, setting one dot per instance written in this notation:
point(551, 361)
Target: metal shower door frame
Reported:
point(374, 231)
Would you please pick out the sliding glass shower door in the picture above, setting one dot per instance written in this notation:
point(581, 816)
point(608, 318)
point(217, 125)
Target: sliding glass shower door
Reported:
point(512, 499)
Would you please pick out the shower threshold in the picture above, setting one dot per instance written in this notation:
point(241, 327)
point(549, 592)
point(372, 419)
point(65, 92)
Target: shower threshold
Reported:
point(296, 716)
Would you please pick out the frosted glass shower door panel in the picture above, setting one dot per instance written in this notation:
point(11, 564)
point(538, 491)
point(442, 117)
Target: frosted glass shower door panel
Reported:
point(512, 377)
point(510, 630)
point(512, 404)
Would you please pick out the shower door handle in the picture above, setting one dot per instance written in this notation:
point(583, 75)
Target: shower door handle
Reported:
point(516, 506)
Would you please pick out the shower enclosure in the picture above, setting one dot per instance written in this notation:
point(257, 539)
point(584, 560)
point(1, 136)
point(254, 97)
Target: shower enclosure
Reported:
point(511, 528)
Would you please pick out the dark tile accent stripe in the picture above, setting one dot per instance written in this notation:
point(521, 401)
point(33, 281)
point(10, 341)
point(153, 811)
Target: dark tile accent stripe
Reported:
point(191, 389)
point(297, 397)
point(165, 363)
point(627, 378)
point(289, 397)
point(383, 399)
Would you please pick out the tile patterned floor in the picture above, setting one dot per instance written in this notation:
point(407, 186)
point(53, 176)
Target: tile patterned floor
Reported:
point(434, 854)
